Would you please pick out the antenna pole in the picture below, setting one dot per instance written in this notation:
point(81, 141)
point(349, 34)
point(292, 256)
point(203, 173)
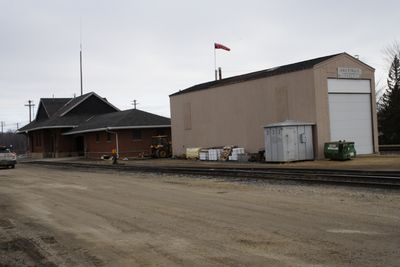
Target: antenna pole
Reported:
point(80, 57)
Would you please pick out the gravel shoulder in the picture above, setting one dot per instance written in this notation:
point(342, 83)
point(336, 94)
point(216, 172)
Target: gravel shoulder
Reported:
point(365, 163)
point(65, 217)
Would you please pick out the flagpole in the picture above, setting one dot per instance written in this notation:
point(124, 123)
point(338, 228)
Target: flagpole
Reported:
point(218, 46)
point(215, 62)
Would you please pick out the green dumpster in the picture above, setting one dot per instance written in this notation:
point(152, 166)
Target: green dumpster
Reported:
point(340, 150)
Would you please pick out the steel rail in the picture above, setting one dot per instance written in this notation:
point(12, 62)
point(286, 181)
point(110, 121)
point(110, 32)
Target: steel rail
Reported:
point(386, 179)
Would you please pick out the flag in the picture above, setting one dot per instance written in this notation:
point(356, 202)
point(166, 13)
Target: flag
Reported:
point(220, 46)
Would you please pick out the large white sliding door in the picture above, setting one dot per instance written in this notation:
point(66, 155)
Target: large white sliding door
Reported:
point(350, 113)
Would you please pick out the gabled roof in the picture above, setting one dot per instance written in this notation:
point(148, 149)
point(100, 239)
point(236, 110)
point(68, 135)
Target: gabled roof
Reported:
point(303, 65)
point(51, 105)
point(58, 119)
point(74, 102)
point(127, 119)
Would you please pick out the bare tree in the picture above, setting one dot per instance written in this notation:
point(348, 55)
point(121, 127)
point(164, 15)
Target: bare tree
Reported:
point(16, 141)
point(380, 88)
point(389, 52)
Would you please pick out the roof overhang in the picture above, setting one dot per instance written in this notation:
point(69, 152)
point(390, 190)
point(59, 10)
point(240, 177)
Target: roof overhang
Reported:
point(344, 54)
point(46, 127)
point(117, 128)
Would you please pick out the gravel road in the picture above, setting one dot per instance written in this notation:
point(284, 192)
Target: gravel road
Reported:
point(67, 217)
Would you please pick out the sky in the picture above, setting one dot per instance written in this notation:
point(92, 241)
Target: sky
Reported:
point(147, 50)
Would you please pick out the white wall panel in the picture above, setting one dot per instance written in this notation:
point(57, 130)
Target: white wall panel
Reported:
point(348, 86)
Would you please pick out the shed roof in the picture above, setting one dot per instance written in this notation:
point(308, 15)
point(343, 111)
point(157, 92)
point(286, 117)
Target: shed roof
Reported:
point(308, 64)
point(288, 123)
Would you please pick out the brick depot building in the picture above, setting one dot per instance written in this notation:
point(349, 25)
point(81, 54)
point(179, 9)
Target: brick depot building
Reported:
point(335, 93)
point(89, 126)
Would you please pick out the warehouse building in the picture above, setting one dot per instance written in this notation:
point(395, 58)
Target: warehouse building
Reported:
point(335, 94)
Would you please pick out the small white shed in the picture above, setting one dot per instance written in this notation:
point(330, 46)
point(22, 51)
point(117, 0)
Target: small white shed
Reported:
point(288, 141)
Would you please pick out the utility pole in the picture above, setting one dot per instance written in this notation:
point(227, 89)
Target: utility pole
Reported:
point(30, 105)
point(135, 103)
point(2, 126)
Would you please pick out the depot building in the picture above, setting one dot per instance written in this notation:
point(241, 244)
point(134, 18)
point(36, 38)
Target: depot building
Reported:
point(335, 94)
point(90, 126)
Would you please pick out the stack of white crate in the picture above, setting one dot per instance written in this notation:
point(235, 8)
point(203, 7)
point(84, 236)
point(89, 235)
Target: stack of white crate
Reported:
point(236, 152)
point(214, 154)
point(204, 154)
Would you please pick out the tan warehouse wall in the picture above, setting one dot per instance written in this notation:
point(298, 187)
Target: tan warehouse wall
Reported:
point(235, 114)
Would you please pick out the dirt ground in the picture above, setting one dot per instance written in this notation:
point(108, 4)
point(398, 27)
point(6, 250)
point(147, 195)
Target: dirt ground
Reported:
point(66, 217)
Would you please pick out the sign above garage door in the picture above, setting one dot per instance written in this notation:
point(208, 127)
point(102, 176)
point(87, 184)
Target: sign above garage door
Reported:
point(350, 113)
point(349, 73)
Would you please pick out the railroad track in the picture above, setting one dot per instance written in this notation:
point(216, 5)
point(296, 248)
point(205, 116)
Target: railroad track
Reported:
point(379, 179)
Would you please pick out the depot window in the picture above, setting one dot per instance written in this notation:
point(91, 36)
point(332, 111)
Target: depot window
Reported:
point(136, 134)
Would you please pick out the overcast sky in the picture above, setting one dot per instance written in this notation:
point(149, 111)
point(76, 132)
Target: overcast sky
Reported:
point(147, 50)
